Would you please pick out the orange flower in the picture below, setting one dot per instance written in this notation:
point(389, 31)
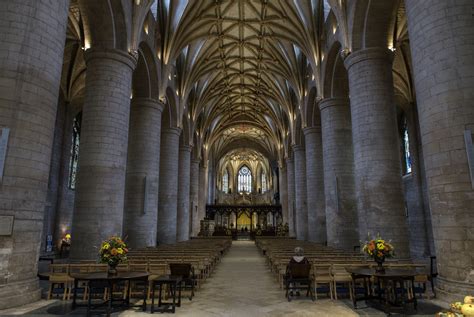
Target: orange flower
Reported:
point(114, 251)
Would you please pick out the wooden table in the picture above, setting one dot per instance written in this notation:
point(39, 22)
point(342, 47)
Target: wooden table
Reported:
point(383, 281)
point(103, 278)
point(174, 282)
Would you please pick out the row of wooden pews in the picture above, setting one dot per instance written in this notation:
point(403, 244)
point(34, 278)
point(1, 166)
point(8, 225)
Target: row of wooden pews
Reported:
point(329, 265)
point(202, 254)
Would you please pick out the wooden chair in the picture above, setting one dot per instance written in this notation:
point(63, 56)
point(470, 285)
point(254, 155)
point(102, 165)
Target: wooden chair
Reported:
point(340, 275)
point(59, 278)
point(186, 272)
point(322, 275)
point(80, 268)
point(298, 277)
point(155, 270)
point(137, 287)
point(94, 267)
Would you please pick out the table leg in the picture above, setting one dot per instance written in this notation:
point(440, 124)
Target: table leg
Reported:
point(76, 283)
point(179, 293)
point(144, 293)
point(173, 294)
point(111, 296)
point(354, 302)
point(159, 295)
point(152, 297)
point(89, 302)
point(129, 288)
point(415, 303)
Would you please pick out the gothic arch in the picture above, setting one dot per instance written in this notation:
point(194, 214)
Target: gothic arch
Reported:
point(371, 23)
point(335, 82)
point(145, 76)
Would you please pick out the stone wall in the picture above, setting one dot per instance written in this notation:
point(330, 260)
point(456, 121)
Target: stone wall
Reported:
point(33, 36)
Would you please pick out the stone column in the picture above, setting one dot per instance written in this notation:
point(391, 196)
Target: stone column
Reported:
point(141, 193)
point(202, 192)
point(341, 208)
point(283, 179)
point(51, 214)
point(301, 211)
point(441, 40)
point(168, 192)
point(65, 203)
point(315, 185)
point(31, 58)
point(379, 194)
point(184, 175)
point(194, 197)
point(290, 173)
point(100, 186)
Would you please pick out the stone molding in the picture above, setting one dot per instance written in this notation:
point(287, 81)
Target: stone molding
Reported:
point(186, 148)
point(333, 102)
point(148, 102)
point(367, 54)
point(310, 130)
point(174, 130)
point(297, 147)
point(114, 54)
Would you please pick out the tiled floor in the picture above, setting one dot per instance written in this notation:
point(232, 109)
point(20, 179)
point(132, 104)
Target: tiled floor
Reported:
point(240, 286)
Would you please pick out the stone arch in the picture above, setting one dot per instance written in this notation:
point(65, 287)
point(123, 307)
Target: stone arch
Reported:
point(169, 117)
point(372, 23)
point(106, 24)
point(312, 111)
point(299, 135)
point(186, 135)
point(335, 82)
point(145, 76)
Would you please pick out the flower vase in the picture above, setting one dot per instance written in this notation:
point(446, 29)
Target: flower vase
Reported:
point(379, 268)
point(112, 269)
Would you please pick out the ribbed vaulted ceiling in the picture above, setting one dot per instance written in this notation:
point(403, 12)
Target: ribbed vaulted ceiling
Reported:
point(244, 67)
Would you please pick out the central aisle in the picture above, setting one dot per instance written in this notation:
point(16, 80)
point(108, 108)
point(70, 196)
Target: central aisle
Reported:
point(243, 286)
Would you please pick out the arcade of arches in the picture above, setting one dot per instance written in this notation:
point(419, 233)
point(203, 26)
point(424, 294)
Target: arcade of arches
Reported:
point(129, 117)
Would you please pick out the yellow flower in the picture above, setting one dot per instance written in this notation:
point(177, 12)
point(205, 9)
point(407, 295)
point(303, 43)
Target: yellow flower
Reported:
point(120, 251)
point(380, 246)
point(106, 246)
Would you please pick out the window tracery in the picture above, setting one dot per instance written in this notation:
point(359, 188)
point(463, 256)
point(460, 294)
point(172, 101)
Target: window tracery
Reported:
point(244, 180)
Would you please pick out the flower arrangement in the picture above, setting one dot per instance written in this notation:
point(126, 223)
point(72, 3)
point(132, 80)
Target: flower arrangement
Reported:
point(113, 251)
point(378, 248)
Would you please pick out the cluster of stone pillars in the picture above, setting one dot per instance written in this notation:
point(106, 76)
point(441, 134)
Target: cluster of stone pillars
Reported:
point(362, 182)
point(118, 187)
point(356, 149)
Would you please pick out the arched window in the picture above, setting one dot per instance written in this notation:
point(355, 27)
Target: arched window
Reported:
point(76, 136)
point(406, 155)
point(225, 182)
point(264, 182)
point(245, 180)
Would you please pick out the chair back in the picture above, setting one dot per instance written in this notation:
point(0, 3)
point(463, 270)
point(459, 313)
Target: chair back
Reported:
point(299, 270)
point(59, 269)
point(181, 269)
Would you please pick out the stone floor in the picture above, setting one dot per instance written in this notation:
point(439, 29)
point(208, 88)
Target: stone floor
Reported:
point(240, 286)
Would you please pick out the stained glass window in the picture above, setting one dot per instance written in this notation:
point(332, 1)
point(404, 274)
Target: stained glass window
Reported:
point(76, 135)
point(405, 147)
point(245, 180)
point(225, 182)
point(264, 182)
